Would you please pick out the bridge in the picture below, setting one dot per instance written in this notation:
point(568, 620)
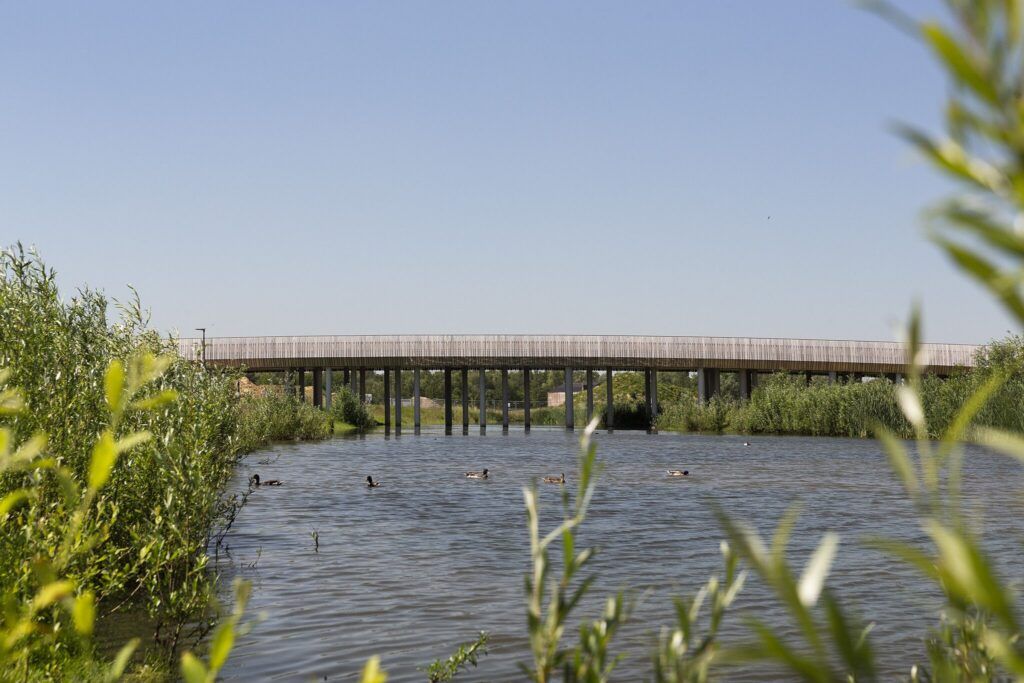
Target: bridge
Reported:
point(707, 356)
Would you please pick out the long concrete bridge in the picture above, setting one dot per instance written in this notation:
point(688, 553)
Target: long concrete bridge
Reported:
point(707, 356)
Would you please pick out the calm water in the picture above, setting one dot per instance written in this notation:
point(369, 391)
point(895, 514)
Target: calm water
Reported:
point(409, 570)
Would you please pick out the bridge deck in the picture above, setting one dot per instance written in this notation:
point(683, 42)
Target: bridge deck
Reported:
point(579, 352)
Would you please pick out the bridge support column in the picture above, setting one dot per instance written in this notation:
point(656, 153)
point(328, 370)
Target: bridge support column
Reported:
point(647, 397)
point(302, 384)
point(362, 386)
point(447, 401)
point(590, 395)
point(465, 400)
point(398, 401)
point(569, 412)
point(653, 427)
point(833, 377)
point(328, 380)
point(504, 401)
point(526, 400)
point(609, 418)
point(344, 378)
point(387, 402)
point(483, 401)
point(318, 388)
point(807, 378)
point(416, 401)
point(746, 378)
point(707, 384)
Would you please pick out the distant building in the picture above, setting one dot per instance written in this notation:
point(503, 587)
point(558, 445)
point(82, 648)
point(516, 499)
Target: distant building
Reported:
point(556, 397)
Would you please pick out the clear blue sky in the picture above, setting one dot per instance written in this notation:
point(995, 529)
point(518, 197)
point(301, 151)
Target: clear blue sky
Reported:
point(721, 168)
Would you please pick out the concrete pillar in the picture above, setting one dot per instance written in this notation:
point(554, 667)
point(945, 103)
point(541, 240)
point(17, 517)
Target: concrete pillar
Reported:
point(654, 402)
point(387, 401)
point(609, 418)
point(590, 395)
point(286, 383)
point(416, 401)
point(833, 377)
point(504, 401)
point(362, 386)
point(569, 416)
point(318, 388)
point(328, 380)
point(483, 401)
point(899, 378)
point(465, 400)
point(746, 384)
point(398, 401)
point(707, 384)
point(302, 384)
point(647, 393)
point(526, 400)
point(807, 378)
point(447, 401)
point(345, 377)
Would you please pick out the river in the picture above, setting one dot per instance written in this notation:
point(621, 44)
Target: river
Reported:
point(424, 562)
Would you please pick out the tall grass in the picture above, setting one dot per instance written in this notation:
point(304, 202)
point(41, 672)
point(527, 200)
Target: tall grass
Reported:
point(261, 420)
point(86, 388)
point(787, 404)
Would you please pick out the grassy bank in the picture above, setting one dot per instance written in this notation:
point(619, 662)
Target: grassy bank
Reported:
point(121, 520)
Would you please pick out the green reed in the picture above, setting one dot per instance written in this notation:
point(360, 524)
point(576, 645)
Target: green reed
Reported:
point(80, 389)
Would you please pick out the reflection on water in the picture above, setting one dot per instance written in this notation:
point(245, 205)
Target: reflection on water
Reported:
point(409, 570)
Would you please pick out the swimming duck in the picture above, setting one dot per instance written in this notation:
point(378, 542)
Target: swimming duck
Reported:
point(370, 483)
point(746, 443)
point(477, 475)
point(269, 482)
point(555, 480)
point(678, 473)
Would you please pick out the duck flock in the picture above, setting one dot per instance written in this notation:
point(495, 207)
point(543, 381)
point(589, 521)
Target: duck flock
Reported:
point(255, 481)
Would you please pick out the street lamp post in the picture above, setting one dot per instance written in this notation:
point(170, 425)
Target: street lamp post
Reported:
point(203, 352)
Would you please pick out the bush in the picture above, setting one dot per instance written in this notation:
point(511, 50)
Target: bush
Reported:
point(145, 533)
point(347, 408)
point(262, 420)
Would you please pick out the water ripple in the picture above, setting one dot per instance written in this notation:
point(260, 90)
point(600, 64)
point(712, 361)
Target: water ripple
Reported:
point(409, 570)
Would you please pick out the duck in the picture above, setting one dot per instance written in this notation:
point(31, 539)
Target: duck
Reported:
point(371, 484)
point(678, 473)
point(746, 443)
point(555, 480)
point(255, 481)
point(477, 475)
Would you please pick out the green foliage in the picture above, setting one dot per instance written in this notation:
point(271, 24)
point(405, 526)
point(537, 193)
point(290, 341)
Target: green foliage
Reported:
point(982, 148)
point(119, 452)
point(49, 619)
point(347, 408)
point(261, 420)
point(551, 599)
point(466, 655)
point(683, 654)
